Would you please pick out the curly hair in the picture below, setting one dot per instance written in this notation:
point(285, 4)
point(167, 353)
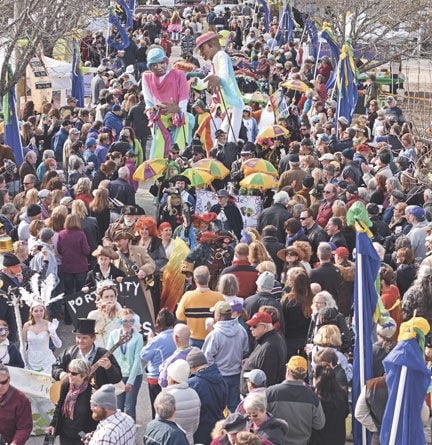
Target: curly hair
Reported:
point(149, 222)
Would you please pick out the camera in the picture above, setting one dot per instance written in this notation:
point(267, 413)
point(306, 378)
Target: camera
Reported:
point(49, 439)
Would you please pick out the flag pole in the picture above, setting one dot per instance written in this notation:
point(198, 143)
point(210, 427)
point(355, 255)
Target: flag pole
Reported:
point(318, 54)
point(360, 330)
point(398, 405)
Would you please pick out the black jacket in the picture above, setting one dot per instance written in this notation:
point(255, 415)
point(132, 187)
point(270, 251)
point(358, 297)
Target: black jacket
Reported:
point(234, 217)
point(102, 376)
point(275, 215)
point(123, 191)
point(82, 418)
point(273, 245)
point(270, 356)
point(330, 279)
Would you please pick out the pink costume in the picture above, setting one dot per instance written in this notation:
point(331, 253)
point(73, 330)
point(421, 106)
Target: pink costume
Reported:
point(170, 87)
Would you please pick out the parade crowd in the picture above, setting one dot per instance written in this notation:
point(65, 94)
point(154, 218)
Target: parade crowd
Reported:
point(257, 347)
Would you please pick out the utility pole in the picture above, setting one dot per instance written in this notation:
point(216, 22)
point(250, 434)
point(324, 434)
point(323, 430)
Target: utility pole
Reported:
point(21, 88)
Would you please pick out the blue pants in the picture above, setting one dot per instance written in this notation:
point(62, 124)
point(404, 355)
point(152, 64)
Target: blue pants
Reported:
point(127, 401)
point(233, 384)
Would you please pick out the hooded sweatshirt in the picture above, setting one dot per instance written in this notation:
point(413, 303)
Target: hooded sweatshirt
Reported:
point(226, 346)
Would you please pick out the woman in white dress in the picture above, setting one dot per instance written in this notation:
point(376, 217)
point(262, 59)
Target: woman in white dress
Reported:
point(36, 334)
point(106, 312)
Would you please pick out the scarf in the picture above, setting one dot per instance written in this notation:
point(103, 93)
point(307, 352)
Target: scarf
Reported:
point(290, 239)
point(71, 398)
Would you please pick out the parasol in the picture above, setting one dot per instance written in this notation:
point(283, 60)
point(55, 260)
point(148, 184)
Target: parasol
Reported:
point(274, 131)
point(149, 169)
point(257, 165)
point(259, 181)
point(296, 85)
point(198, 177)
point(216, 168)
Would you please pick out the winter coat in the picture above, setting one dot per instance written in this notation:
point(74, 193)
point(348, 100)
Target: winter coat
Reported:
point(213, 392)
point(188, 406)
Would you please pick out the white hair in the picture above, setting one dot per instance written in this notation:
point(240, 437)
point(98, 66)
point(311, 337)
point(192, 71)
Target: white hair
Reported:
point(281, 198)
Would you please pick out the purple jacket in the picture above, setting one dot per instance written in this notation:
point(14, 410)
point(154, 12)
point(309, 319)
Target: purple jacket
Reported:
point(73, 248)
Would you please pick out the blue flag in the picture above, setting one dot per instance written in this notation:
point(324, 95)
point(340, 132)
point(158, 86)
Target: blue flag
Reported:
point(346, 80)
point(77, 78)
point(287, 25)
point(330, 38)
point(410, 427)
point(12, 136)
point(313, 37)
point(365, 297)
point(266, 9)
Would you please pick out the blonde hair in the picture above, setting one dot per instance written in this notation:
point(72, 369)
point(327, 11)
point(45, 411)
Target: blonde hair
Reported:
point(328, 335)
point(267, 266)
point(257, 252)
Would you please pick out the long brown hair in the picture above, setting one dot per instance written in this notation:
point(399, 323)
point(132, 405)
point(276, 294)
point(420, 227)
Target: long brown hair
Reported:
point(300, 290)
point(100, 200)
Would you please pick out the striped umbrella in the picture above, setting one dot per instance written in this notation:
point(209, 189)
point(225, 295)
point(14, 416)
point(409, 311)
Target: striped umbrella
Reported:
point(198, 177)
point(149, 169)
point(257, 165)
point(262, 181)
point(274, 131)
point(216, 168)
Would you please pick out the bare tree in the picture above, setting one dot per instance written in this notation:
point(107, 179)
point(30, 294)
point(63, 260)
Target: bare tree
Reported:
point(30, 24)
point(380, 31)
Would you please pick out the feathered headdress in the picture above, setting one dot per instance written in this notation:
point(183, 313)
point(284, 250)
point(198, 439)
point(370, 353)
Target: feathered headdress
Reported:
point(41, 291)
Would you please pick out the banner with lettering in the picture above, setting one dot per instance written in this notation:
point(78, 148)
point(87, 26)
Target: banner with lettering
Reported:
point(130, 295)
point(250, 206)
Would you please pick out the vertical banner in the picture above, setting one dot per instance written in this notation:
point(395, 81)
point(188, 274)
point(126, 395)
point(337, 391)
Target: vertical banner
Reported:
point(40, 82)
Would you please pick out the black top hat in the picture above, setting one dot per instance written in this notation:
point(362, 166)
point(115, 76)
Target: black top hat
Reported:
point(131, 210)
point(85, 326)
point(183, 178)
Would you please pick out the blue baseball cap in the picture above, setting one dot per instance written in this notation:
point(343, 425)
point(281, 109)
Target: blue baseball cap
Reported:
point(90, 142)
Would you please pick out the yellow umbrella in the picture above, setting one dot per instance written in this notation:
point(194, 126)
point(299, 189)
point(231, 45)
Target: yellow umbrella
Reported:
point(257, 165)
point(261, 181)
point(198, 177)
point(149, 169)
point(274, 131)
point(296, 85)
point(216, 168)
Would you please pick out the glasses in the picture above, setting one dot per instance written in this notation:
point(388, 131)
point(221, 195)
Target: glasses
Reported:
point(254, 327)
point(320, 302)
point(4, 382)
point(314, 100)
point(73, 373)
point(290, 254)
point(302, 218)
point(327, 192)
point(128, 321)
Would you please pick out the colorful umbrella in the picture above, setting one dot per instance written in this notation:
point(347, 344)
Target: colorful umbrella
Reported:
point(257, 165)
point(296, 85)
point(149, 169)
point(259, 181)
point(261, 98)
point(198, 177)
point(216, 168)
point(274, 131)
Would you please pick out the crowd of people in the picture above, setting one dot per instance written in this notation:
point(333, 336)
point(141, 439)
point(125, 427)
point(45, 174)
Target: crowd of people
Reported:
point(257, 348)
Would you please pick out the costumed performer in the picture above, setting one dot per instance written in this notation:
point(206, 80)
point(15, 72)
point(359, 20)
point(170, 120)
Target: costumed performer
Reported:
point(166, 94)
point(222, 80)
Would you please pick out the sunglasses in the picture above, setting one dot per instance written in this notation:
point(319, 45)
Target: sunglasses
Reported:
point(4, 382)
point(73, 373)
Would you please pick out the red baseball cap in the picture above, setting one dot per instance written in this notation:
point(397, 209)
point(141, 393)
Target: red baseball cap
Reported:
point(259, 317)
point(342, 252)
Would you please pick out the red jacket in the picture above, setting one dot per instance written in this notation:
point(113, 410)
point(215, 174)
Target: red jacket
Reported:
point(16, 421)
point(246, 276)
